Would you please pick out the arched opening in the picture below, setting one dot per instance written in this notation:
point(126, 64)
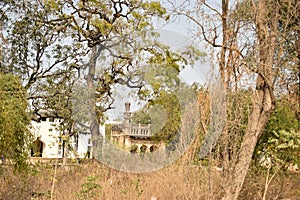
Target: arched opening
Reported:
point(153, 148)
point(143, 148)
point(37, 148)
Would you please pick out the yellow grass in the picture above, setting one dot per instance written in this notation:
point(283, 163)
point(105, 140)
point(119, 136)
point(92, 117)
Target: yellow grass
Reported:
point(178, 181)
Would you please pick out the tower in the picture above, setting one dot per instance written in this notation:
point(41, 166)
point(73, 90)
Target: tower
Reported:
point(127, 114)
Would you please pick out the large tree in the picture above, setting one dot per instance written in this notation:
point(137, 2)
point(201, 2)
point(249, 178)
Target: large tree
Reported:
point(15, 136)
point(252, 42)
point(54, 45)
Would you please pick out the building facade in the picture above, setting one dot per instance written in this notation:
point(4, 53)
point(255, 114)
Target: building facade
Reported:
point(134, 137)
point(49, 143)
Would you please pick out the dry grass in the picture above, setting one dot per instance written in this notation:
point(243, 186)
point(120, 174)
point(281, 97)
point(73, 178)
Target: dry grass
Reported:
point(179, 181)
point(174, 182)
point(282, 187)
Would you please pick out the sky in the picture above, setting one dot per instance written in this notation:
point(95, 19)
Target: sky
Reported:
point(197, 73)
point(175, 34)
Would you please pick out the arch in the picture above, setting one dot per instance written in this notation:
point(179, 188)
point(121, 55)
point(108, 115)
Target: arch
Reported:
point(143, 148)
point(37, 148)
point(153, 148)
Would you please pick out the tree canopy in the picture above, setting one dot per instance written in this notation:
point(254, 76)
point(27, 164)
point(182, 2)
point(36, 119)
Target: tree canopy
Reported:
point(60, 47)
point(254, 45)
point(15, 136)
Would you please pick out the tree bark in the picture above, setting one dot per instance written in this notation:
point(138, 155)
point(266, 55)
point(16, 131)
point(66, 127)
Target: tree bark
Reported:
point(96, 137)
point(263, 103)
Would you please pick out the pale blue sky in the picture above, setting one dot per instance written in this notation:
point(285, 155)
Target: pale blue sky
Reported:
point(176, 34)
point(197, 73)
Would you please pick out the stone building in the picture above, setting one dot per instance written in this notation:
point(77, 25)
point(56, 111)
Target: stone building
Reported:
point(48, 141)
point(134, 137)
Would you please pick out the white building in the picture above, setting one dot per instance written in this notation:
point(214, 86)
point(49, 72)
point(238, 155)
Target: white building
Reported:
point(49, 141)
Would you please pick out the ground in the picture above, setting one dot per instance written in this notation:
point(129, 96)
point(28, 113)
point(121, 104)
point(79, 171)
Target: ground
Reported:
point(92, 180)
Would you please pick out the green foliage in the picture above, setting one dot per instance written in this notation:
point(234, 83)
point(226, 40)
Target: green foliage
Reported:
point(164, 114)
point(108, 130)
point(172, 110)
point(48, 43)
point(281, 140)
point(241, 12)
point(137, 185)
point(164, 110)
point(286, 141)
point(40, 195)
point(283, 118)
point(134, 148)
point(238, 109)
point(89, 189)
point(141, 116)
point(163, 72)
point(154, 7)
point(14, 121)
point(151, 113)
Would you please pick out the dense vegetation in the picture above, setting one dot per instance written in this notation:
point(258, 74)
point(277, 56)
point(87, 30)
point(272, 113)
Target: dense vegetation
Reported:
point(69, 56)
point(15, 136)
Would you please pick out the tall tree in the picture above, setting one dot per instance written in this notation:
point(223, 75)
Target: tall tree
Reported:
point(15, 136)
point(51, 44)
point(249, 40)
point(114, 29)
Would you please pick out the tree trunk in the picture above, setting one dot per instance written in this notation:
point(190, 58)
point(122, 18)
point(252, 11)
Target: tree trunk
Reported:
point(298, 43)
point(263, 103)
point(225, 77)
point(96, 137)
